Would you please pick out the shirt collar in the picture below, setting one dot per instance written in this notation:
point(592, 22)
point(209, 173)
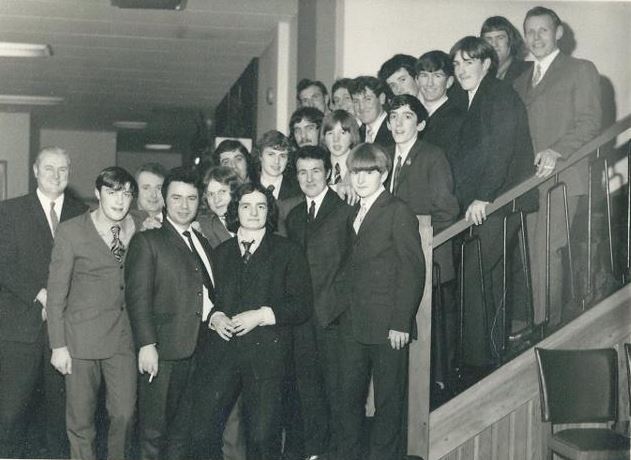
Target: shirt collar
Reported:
point(127, 228)
point(276, 183)
point(256, 236)
point(404, 150)
point(45, 202)
point(370, 200)
point(180, 229)
point(318, 200)
point(436, 105)
point(546, 62)
point(375, 125)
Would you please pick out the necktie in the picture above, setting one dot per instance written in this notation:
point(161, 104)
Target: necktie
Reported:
point(337, 178)
point(208, 282)
point(247, 255)
point(117, 248)
point(369, 134)
point(395, 175)
point(311, 216)
point(363, 210)
point(54, 220)
point(271, 188)
point(537, 75)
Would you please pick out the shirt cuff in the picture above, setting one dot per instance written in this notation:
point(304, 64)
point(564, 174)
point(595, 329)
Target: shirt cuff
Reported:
point(268, 316)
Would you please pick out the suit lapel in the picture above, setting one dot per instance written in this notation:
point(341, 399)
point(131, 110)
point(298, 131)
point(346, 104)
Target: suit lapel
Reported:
point(373, 212)
point(327, 206)
point(259, 263)
point(554, 72)
point(40, 220)
point(407, 165)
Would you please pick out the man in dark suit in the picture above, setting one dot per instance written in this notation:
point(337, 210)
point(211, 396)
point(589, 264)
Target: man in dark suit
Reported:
point(435, 79)
point(494, 155)
point(263, 289)
point(370, 96)
point(88, 326)
point(380, 286)
point(320, 225)
point(563, 99)
point(166, 270)
point(27, 228)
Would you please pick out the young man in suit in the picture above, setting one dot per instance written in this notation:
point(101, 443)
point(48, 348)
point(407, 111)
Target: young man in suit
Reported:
point(494, 155)
point(369, 97)
point(319, 225)
point(399, 74)
point(166, 270)
point(272, 155)
point(88, 325)
point(27, 228)
point(263, 290)
point(563, 99)
point(380, 286)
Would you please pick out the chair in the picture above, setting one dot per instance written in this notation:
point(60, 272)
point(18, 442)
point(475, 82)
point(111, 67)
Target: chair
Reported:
point(581, 386)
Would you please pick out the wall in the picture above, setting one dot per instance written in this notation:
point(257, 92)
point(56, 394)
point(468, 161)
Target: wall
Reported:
point(317, 40)
point(131, 161)
point(90, 152)
point(14, 148)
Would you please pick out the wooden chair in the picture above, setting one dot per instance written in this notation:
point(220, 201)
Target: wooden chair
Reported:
point(581, 386)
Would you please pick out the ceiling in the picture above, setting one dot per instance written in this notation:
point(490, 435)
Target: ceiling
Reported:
point(108, 64)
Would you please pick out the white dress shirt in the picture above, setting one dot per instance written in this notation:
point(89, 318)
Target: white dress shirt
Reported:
point(45, 202)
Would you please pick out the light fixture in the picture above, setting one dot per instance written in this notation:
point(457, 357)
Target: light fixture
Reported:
point(160, 147)
point(137, 125)
point(18, 99)
point(177, 5)
point(11, 49)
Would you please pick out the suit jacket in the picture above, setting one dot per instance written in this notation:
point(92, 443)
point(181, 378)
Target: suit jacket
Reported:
point(289, 188)
point(384, 136)
point(213, 229)
point(564, 112)
point(276, 276)
point(86, 299)
point(326, 242)
point(426, 185)
point(382, 280)
point(443, 128)
point(515, 69)
point(26, 244)
point(164, 291)
point(495, 151)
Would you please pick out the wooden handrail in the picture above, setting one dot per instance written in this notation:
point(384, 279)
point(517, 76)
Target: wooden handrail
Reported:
point(534, 181)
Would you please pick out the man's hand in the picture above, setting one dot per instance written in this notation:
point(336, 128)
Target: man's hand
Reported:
point(398, 340)
point(148, 360)
point(546, 161)
point(149, 223)
point(222, 325)
point(61, 360)
point(476, 212)
point(42, 297)
point(346, 192)
point(246, 321)
point(44, 314)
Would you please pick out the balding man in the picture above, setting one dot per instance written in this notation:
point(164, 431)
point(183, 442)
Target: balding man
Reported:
point(27, 228)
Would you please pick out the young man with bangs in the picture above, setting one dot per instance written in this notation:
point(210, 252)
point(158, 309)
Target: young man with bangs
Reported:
point(379, 288)
point(369, 97)
point(89, 329)
point(272, 153)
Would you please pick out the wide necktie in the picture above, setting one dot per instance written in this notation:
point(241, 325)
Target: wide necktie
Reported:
point(369, 135)
point(537, 75)
point(337, 178)
point(117, 248)
point(208, 282)
point(311, 215)
point(247, 255)
point(271, 188)
point(54, 220)
point(363, 210)
point(395, 175)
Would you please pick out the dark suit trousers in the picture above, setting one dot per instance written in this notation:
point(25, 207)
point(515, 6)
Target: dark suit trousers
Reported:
point(389, 371)
point(24, 369)
point(164, 411)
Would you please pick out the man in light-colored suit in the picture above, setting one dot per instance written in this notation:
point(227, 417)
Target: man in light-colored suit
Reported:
point(563, 99)
point(88, 326)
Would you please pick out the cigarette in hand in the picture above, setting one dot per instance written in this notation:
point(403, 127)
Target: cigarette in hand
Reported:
point(150, 377)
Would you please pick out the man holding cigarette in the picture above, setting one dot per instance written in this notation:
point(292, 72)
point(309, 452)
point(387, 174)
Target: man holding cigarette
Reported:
point(170, 293)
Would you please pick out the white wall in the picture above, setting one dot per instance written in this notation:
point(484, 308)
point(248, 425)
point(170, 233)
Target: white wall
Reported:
point(90, 152)
point(15, 131)
point(131, 161)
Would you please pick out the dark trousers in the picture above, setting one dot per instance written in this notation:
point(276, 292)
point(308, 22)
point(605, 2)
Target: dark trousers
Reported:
point(164, 411)
point(389, 370)
point(24, 369)
point(215, 392)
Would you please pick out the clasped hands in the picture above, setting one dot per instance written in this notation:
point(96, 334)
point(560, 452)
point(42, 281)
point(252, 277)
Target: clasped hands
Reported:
point(238, 325)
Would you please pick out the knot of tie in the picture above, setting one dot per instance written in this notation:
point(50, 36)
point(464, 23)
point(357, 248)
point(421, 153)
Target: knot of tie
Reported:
point(246, 253)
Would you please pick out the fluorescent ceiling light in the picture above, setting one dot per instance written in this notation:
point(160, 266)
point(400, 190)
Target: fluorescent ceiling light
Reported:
point(177, 5)
point(11, 49)
point(130, 124)
point(158, 146)
point(17, 99)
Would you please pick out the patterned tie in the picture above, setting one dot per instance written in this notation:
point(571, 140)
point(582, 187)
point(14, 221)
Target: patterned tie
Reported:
point(395, 175)
point(208, 282)
point(54, 220)
point(537, 75)
point(369, 135)
point(247, 255)
point(337, 178)
point(363, 210)
point(311, 216)
point(117, 248)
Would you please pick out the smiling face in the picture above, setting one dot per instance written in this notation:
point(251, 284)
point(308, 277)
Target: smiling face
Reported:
point(470, 71)
point(404, 124)
point(114, 204)
point(365, 183)
point(542, 35)
point(182, 202)
point(149, 192)
point(51, 171)
point(342, 100)
point(433, 85)
point(401, 82)
point(253, 211)
point(273, 162)
point(338, 140)
point(311, 175)
point(368, 106)
point(218, 197)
